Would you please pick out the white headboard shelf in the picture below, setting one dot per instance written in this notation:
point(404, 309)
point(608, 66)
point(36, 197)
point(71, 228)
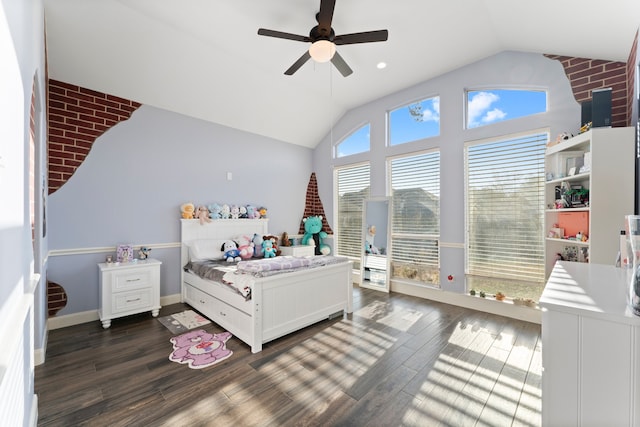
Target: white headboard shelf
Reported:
point(219, 229)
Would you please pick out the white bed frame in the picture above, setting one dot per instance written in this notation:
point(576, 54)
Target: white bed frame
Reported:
point(280, 304)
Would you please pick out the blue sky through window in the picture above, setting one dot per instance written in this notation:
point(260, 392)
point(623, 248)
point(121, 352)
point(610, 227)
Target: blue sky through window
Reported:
point(485, 107)
point(357, 142)
point(415, 121)
point(421, 119)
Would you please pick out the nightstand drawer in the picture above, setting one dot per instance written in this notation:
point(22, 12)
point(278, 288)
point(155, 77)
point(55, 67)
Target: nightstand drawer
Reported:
point(133, 279)
point(124, 302)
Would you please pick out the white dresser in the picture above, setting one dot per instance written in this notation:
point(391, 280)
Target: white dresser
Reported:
point(128, 288)
point(590, 348)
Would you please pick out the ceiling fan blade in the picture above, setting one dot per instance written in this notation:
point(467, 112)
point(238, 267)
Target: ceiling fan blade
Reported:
point(325, 16)
point(281, 35)
point(341, 65)
point(365, 37)
point(299, 63)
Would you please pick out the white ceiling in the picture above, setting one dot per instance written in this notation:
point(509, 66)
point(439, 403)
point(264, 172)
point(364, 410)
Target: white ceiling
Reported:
point(203, 58)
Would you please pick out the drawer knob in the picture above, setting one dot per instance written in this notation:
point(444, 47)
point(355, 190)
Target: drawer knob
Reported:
point(133, 300)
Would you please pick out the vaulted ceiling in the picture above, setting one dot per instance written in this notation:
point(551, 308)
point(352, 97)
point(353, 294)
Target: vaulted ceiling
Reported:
point(204, 58)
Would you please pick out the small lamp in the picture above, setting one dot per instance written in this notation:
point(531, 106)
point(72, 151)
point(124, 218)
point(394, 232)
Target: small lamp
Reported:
point(322, 50)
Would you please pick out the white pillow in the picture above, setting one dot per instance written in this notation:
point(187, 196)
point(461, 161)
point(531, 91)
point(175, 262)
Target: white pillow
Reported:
point(203, 249)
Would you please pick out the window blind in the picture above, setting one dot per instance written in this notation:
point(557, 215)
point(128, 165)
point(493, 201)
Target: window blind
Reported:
point(352, 188)
point(505, 208)
point(415, 184)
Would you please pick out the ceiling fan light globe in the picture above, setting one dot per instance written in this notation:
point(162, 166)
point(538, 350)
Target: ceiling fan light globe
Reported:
point(322, 50)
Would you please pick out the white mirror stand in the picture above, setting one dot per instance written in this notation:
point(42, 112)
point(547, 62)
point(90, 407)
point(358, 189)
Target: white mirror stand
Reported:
point(376, 227)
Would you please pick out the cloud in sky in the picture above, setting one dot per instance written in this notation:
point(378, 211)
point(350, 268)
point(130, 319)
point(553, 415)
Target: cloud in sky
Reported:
point(479, 109)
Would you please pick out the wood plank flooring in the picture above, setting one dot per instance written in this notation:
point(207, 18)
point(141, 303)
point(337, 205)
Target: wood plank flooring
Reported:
point(396, 361)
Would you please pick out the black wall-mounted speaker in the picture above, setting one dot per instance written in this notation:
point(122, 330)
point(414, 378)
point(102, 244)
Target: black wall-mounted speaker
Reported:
point(601, 108)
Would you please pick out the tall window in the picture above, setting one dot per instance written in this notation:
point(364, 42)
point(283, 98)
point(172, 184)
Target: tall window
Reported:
point(356, 142)
point(352, 184)
point(485, 107)
point(415, 121)
point(415, 186)
point(505, 208)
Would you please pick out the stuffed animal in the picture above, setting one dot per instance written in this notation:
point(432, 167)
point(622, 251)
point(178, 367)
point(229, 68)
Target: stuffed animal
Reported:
point(274, 239)
point(257, 245)
point(203, 214)
point(268, 249)
point(215, 211)
point(313, 233)
point(187, 210)
point(252, 212)
point(263, 212)
point(225, 212)
point(245, 246)
point(235, 212)
point(284, 240)
point(143, 253)
point(231, 252)
point(370, 249)
point(243, 212)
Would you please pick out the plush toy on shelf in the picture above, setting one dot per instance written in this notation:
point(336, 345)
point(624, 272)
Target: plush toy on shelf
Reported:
point(225, 211)
point(252, 212)
point(215, 211)
point(263, 212)
point(235, 212)
point(187, 210)
point(203, 214)
point(313, 233)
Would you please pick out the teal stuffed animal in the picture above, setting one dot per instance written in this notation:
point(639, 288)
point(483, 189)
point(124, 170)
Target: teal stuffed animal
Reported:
point(268, 249)
point(313, 231)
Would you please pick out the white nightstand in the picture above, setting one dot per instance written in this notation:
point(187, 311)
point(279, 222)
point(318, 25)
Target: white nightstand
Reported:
point(298, 250)
point(128, 288)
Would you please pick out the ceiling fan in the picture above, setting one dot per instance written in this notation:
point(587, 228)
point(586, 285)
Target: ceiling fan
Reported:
point(324, 40)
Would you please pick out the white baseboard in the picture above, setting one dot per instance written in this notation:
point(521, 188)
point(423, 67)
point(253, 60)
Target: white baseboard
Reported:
point(501, 308)
point(67, 320)
point(39, 354)
point(33, 413)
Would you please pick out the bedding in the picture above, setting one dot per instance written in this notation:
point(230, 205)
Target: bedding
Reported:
point(238, 276)
point(284, 264)
point(215, 270)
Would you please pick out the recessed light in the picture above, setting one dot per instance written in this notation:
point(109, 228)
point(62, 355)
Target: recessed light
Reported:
point(381, 65)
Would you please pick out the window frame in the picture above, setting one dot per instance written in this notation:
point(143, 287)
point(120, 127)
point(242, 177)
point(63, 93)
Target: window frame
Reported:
point(394, 234)
point(355, 256)
point(492, 140)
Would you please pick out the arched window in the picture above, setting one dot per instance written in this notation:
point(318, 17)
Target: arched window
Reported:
point(418, 120)
point(485, 107)
point(356, 142)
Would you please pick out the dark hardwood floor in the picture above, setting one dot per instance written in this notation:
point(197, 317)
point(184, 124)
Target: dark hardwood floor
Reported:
point(397, 360)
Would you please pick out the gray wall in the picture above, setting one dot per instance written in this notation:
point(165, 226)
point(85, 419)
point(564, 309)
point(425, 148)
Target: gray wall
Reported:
point(502, 71)
point(136, 176)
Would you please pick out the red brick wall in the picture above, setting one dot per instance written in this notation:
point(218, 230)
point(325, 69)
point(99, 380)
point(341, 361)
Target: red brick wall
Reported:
point(76, 117)
point(631, 77)
point(56, 298)
point(588, 74)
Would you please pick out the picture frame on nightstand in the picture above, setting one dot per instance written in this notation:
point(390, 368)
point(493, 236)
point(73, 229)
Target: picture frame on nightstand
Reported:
point(124, 253)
